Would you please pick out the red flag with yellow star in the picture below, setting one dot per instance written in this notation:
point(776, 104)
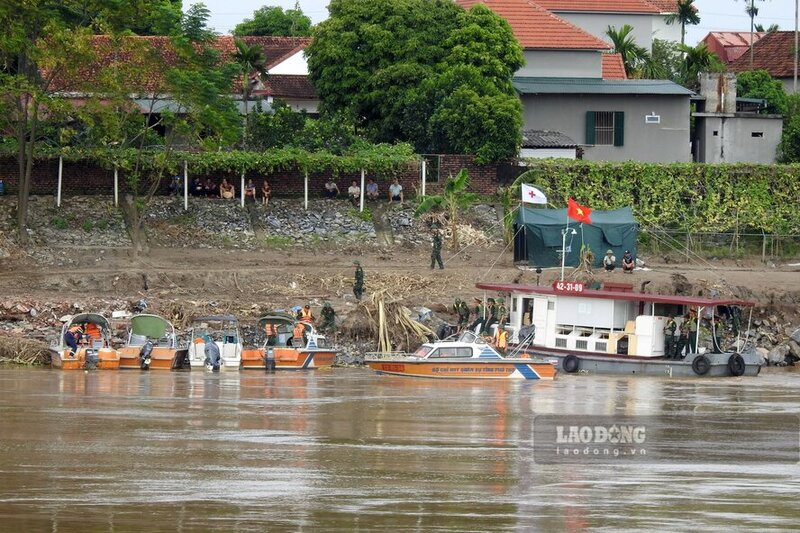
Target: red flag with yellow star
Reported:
point(578, 212)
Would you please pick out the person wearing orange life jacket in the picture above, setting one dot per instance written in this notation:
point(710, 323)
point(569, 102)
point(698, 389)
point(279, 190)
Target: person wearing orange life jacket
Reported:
point(272, 334)
point(305, 314)
point(501, 339)
point(299, 335)
point(72, 336)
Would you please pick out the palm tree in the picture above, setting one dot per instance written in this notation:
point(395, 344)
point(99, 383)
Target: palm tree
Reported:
point(446, 206)
point(625, 45)
point(698, 59)
point(686, 14)
point(772, 28)
point(250, 60)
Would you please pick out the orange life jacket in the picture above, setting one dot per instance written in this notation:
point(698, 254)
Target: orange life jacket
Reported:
point(501, 338)
point(306, 315)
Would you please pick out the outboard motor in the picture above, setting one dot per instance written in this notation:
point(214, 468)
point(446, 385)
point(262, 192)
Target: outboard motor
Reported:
point(212, 355)
point(92, 358)
point(269, 360)
point(144, 355)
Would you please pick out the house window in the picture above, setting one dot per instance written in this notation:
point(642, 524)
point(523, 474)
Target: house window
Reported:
point(756, 134)
point(605, 128)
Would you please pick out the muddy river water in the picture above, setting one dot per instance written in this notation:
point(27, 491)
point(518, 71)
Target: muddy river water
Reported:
point(345, 450)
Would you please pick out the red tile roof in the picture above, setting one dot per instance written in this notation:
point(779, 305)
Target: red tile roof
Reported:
point(159, 49)
point(536, 28)
point(773, 53)
point(288, 86)
point(613, 68)
point(599, 6)
point(730, 45)
point(665, 6)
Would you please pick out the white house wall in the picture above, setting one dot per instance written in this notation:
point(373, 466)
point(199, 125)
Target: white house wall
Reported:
point(731, 139)
point(665, 142)
point(562, 64)
point(546, 153)
point(664, 31)
point(597, 24)
point(294, 64)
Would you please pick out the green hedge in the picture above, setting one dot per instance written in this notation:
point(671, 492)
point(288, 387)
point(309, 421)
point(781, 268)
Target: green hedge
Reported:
point(692, 197)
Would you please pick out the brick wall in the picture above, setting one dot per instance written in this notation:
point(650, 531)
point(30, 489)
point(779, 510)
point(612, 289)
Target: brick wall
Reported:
point(85, 178)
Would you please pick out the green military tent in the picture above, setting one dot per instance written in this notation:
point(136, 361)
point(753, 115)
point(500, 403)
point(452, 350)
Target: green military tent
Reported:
point(537, 236)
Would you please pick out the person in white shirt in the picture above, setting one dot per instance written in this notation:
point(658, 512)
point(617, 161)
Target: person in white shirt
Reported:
point(395, 192)
point(331, 190)
point(354, 193)
point(609, 261)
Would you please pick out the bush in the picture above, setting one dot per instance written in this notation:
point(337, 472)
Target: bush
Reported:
point(87, 226)
point(58, 223)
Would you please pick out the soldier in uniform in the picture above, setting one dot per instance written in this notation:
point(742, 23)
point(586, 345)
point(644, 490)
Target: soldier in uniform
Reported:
point(479, 318)
point(436, 251)
point(328, 317)
point(358, 280)
point(502, 313)
point(683, 338)
point(463, 314)
point(492, 312)
point(669, 338)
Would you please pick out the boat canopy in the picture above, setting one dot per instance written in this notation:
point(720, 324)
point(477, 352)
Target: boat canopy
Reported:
point(275, 318)
point(692, 301)
point(92, 318)
point(151, 326)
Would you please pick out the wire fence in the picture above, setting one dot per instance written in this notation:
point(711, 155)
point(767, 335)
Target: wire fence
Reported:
point(689, 246)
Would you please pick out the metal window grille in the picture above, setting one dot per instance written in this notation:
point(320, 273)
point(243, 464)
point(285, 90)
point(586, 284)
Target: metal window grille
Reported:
point(604, 127)
point(581, 345)
point(561, 343)
point(600, 346)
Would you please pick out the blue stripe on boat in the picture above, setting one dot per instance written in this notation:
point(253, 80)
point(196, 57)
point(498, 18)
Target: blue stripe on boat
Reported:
point(526, 371)
point(487, 353)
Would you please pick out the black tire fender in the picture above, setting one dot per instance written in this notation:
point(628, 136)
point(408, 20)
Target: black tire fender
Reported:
point(701, 365)
point(571, 364)
point(736, 364)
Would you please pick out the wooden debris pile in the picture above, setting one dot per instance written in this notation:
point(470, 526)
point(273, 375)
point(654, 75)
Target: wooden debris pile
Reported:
point(385, 318)
point(22, 351)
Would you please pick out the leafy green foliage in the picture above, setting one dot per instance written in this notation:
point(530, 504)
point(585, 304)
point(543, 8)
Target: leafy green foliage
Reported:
point(790, 140)
point(445, 207)
point(625, 45)
point(58, 223)
point(419, 71)
point(273, 20)
point(698, 59)
point(685, 14)
point(759, 84)
point(690, 197)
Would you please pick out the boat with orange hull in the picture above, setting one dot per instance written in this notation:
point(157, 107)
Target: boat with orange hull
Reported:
point(93, 345)
point(281, 350)
point(466, 357)
point(152, 344)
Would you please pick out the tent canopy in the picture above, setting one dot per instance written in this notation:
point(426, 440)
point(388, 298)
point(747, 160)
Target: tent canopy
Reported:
point(539, 233)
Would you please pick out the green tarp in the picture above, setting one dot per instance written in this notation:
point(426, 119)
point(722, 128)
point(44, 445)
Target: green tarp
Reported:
point(538, 236)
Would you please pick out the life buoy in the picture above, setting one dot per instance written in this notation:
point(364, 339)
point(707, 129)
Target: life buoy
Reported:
point(736, 365)
point(701, 365)
point(571, 364)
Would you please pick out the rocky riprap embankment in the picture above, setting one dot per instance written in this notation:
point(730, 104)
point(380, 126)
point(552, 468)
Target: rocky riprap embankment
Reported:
point(94, 222)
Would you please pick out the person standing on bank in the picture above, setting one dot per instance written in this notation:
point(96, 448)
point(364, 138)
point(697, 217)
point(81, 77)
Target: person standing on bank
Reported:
point(358, 281)
point(436, 250)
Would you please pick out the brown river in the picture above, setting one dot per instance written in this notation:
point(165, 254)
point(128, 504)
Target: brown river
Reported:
point(345, 450)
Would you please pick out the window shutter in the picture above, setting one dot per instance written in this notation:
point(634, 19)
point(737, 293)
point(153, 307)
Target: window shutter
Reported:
point(590, 127)
point(619, 128)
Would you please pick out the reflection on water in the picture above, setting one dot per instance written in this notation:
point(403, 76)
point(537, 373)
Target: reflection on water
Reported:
point(347, 450)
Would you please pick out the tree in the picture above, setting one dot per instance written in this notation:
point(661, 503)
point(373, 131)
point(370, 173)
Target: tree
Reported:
point(698, 59)
point(445, 207)
point(686, 14)
point(41, 42)
point(789, 150)
point(271, 20)
point(663, 63)
point(250, 60)
point(772, 28)
point(625, 45)
point(759, 84)
point(752, 12)
point(420, 71)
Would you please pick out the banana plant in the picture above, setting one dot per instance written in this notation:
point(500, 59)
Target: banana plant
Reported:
point(449, 203)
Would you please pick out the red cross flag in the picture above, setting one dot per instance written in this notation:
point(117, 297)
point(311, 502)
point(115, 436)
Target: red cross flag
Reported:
point(578, 212)
point(532, 195)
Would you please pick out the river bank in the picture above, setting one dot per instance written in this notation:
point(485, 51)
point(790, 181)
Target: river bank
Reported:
point(218, 258)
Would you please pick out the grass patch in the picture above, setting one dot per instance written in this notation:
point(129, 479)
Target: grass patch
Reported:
point(101, 224)
point(58, 223)
point(87, 226)
point(365, 215)
point(276, 241)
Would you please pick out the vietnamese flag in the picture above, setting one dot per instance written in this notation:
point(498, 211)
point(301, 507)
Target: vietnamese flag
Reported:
point(578, 212)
